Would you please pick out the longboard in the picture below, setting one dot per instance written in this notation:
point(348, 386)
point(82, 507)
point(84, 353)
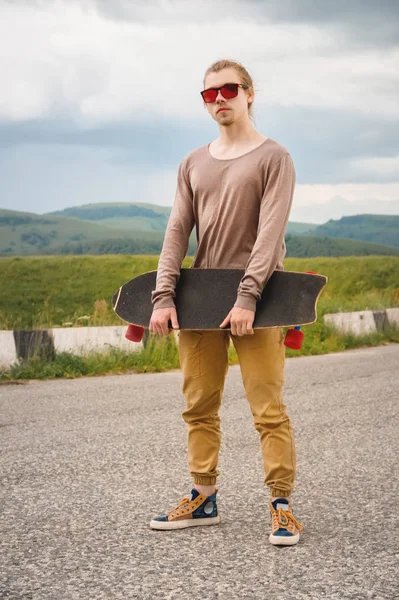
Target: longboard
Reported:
point(204, 297)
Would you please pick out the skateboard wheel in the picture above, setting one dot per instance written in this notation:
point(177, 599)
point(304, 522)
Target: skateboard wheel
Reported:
point(311, 273)
point(294, 339)
point(134, 333)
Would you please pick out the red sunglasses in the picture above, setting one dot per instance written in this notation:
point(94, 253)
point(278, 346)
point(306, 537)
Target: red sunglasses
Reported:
point(228, 90)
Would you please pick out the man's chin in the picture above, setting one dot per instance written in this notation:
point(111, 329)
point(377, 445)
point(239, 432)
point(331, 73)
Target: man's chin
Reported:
point(224, 118)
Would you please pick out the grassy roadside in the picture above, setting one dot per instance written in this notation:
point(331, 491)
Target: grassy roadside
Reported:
point(45, 292)
point(161, 355)
point(65, 291)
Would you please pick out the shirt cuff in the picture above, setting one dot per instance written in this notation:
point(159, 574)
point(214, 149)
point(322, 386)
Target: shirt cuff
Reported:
point(164, 302)
point(246, 301)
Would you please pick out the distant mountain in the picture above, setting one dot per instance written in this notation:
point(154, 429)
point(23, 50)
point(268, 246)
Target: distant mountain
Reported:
point(27, 233)
point(141, 217)
point(379, 229)
point(294, 228)
point(302, 246)
point(56, 233)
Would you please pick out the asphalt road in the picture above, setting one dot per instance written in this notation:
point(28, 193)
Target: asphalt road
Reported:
point(85, 464)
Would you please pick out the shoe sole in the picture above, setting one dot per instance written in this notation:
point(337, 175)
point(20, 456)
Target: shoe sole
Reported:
point(281, 540)
point(168, 525)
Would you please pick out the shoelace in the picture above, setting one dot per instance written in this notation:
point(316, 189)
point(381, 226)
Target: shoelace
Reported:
point(283, 518)
point(182, 503)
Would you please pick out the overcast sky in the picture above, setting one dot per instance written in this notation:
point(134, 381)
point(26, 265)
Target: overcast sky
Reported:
point(100, 99)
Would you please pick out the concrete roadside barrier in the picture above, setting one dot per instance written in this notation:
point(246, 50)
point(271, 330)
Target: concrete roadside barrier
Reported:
point(393, 316)
point(83, 340)
point(8, 352)
point(36, 342)
point(363, 322)
point(46, 343)
point(16, 345)
point(358, 323)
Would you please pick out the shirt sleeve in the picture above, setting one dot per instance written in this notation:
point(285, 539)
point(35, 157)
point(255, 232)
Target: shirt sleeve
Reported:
point(176, 240)
point(275, 208)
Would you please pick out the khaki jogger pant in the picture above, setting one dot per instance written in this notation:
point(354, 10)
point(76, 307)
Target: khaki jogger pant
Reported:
point(204, 363)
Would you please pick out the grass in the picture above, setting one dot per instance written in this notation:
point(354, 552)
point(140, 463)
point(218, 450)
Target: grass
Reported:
point(161, 354)
point(44, 292)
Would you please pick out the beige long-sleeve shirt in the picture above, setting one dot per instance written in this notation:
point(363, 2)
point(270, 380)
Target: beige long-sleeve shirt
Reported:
point(240, 209)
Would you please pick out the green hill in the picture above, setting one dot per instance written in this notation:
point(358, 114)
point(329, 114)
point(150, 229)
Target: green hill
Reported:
point(302, 246)
point(27, 233)
point(294, 228)
point(379, 229)
point(140, 217)
point(93, 229)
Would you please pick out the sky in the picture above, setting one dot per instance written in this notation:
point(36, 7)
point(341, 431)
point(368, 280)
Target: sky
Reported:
point(100, 99)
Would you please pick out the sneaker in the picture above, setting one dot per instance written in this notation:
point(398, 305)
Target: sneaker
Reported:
point(285, 528)
point(191, 511)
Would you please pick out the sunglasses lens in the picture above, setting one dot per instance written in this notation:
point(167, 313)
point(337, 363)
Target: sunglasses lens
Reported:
point(209, 95)
point(230, 90)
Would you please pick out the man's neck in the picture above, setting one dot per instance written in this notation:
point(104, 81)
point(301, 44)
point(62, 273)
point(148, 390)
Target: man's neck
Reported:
point(237, 133)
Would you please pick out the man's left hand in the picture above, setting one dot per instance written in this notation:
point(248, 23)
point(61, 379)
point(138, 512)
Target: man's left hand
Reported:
point(241, 321)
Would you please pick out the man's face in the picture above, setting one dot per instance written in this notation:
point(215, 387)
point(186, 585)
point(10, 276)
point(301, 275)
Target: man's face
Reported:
point(225, 112)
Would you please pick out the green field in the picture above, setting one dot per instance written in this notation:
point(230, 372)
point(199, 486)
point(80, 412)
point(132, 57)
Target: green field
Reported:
point(37, 292)
point(69, 291)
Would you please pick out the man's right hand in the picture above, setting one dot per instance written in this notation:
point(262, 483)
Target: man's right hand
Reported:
point(160, 319)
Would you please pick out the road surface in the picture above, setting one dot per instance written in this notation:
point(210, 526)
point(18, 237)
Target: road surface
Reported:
point(85, 464)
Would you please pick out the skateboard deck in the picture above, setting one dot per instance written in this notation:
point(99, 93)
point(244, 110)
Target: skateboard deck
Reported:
point(204, 297)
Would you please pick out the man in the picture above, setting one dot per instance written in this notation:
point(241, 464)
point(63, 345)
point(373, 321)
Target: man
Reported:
point(237, 191)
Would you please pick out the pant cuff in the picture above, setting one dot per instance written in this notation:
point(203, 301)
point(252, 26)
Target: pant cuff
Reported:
point(280, 493)
point(205, 479)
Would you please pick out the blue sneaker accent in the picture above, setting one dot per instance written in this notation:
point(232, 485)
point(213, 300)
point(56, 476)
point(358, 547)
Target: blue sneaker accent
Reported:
point(285, 528)
point(208, 509)
point(283, 502)
point(189, 513)
point(283, 532)
point(161, 518)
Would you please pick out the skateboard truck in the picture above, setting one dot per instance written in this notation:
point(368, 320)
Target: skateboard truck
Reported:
point(294, 337)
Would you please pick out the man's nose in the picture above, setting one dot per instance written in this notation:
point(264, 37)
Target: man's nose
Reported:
point(219, 97)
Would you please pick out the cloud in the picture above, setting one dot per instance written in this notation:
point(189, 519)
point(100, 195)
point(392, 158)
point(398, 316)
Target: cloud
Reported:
point(112, 90)
point(345, 193)
point(383, 168)
point(68, 59)
point(361, 23)
point(327, 146)
point(321, 202)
